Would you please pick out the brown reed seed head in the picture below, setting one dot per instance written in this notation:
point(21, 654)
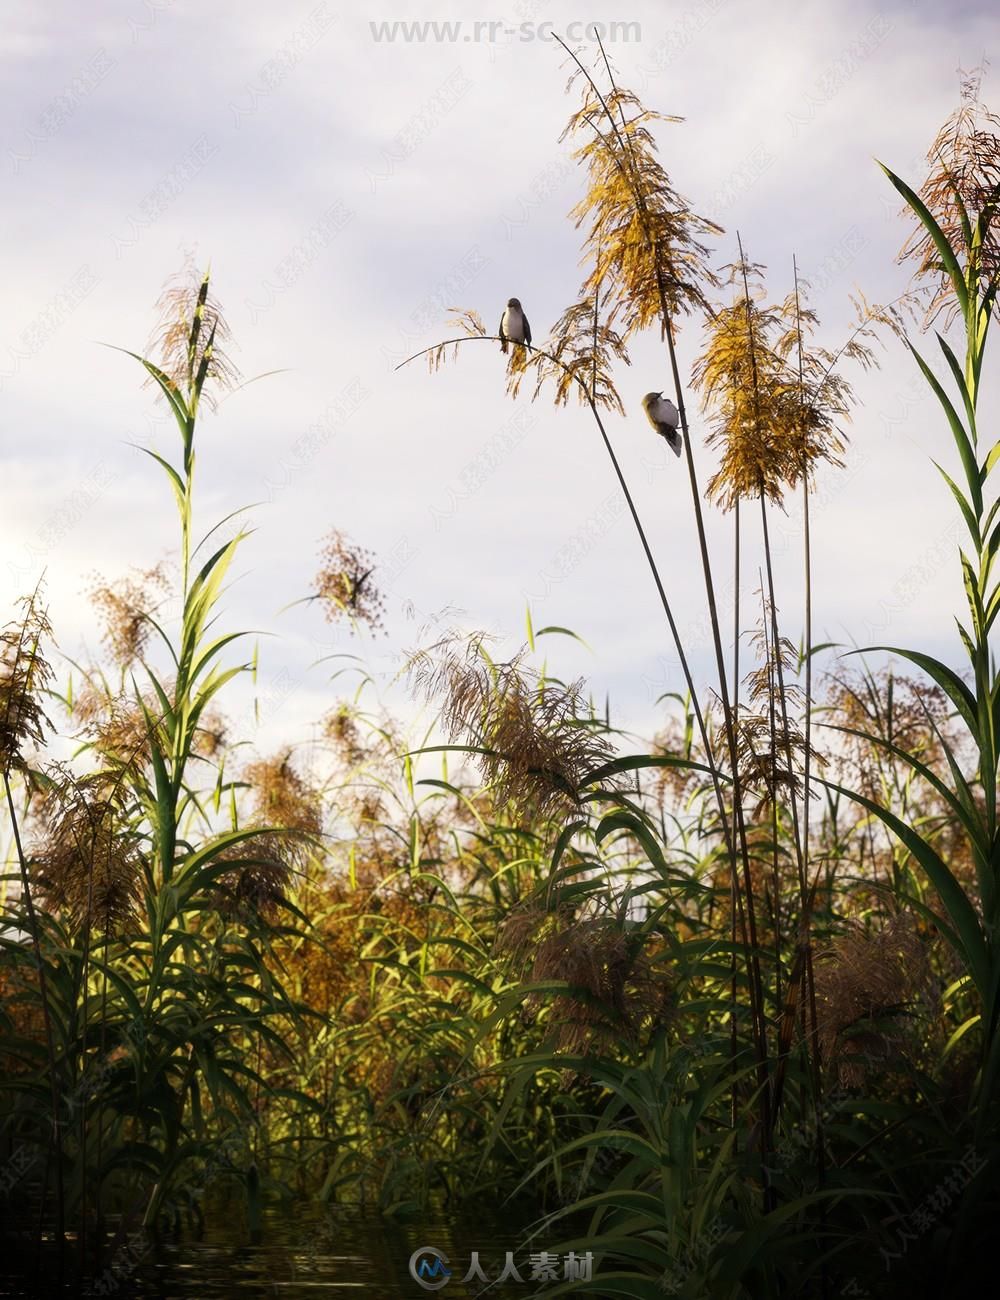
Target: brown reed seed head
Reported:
point(964, 173)
point(763, 759)
point(539, 745)
point(643, 240)
point(340, 727)
point(771, 749)
point(89, 866)
point(916, 717)
point(114, 723)
point(583, 349)
point(288, 808)
point(778, 400)
point(261, 876)
point(672, 784)
point(820, 398)
point(125, 608)
point(345, 583)
point(616, 985)
point(282, 799)
point(211, 735)
point(190, 340)
point(744, 382)
point(867, 983)
point(466, 323)
point(24, 677)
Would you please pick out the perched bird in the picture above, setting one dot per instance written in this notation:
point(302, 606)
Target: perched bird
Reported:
point(665, 419)
point(514, 325)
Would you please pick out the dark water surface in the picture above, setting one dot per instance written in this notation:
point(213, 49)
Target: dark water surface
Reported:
point(303, 1253)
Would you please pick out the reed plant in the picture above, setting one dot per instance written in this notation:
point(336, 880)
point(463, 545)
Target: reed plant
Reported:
point(718, 1005)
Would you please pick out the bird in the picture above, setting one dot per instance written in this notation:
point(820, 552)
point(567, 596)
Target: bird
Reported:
point(514, 325)
point(665, 419)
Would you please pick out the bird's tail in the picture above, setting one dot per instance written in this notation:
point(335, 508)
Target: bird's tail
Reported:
point(503, 346)
point(673, 438)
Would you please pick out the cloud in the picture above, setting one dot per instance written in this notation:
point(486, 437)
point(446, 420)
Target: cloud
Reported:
point(348, 192)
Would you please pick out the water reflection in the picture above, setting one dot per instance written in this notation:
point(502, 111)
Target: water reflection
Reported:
point(303, 1252)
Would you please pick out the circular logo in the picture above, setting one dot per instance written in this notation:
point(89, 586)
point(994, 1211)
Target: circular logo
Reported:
point(429, 1268)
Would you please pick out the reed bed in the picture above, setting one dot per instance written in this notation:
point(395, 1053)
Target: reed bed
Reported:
point(720, 1005)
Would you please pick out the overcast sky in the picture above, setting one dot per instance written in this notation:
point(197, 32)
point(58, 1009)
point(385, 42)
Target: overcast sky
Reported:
point(349, 190)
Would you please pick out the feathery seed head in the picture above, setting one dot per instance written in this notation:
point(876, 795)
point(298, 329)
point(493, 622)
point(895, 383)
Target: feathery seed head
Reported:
point(537, 746)
point(89, 866)
point(643, 240)
point(345, 584)
point(24, 677)
point(961, 191)
point(190, 340)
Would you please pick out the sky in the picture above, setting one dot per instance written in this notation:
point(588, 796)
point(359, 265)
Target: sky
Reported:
point(347, 189)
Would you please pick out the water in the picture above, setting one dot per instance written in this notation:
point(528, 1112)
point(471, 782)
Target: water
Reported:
point(303, 1253)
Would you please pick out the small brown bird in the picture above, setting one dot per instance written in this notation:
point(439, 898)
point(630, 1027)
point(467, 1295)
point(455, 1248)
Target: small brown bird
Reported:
point(665, 419)
point(514, 325)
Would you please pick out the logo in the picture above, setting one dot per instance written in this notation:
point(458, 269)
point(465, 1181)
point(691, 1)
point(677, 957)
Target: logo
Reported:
point(429, 1268)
